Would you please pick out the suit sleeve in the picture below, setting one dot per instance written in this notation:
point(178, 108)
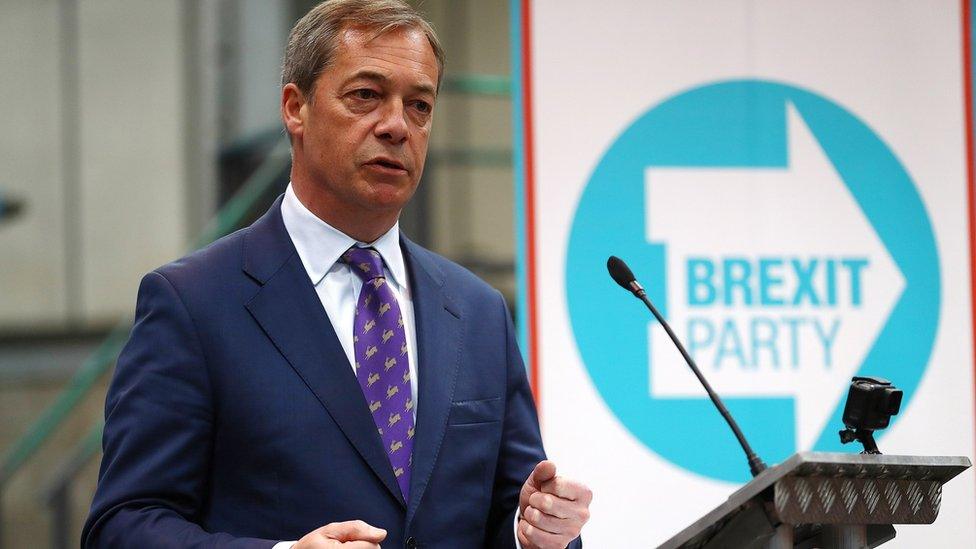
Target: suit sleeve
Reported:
point(158, 435)
point(521, 446)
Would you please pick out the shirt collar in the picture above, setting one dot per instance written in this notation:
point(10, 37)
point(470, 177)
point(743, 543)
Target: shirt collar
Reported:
point(320, 245)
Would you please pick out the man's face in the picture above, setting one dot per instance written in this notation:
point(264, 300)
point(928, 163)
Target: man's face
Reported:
point(364, 136)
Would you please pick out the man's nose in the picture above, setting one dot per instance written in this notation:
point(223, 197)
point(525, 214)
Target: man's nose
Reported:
point(392, 126)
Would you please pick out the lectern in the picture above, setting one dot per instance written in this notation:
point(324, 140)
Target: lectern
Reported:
point(826, 500)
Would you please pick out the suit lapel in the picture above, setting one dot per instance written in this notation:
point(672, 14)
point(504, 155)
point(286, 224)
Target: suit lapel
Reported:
point(289, 312)
point(439, 330)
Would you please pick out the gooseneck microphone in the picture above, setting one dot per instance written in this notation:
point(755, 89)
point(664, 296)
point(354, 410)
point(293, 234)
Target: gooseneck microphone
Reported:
point(622, 275)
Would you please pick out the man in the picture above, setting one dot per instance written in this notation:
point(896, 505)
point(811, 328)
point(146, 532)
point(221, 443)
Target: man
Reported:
point(316, 376)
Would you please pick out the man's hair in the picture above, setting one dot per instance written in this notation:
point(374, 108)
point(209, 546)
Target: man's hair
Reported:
point(314, 38)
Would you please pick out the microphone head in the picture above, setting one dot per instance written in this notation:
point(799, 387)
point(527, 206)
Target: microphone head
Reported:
point(620, 272)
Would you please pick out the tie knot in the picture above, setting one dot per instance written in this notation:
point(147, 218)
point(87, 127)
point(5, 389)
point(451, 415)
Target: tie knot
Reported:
point(365, 262)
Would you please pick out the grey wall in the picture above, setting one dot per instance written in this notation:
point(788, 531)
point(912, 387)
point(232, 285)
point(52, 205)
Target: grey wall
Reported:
point(131, 187)
point(33, 287)
point(92, 99)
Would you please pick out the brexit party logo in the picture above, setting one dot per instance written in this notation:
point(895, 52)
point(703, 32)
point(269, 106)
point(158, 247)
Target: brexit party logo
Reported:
point(788, 248)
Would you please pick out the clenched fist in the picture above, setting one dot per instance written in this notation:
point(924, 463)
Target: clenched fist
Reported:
point(552, 509)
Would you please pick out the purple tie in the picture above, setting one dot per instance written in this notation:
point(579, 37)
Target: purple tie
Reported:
point(382, 364)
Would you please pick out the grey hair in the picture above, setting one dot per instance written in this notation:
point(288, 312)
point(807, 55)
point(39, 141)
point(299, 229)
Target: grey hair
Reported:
point(314, 38)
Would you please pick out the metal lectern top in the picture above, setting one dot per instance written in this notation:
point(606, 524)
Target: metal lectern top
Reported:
point(812, 490)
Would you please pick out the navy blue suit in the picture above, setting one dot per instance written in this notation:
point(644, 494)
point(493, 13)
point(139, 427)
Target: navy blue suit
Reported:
point(235, 420)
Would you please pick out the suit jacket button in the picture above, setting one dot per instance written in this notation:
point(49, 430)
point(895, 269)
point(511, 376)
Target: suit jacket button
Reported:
point(411, 543)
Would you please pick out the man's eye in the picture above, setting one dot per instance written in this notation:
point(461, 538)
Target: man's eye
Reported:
point(365, 94)
point(423, 106)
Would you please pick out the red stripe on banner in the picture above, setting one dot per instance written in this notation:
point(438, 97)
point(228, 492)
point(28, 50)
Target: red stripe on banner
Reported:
point(529, 203)
point(967, 62)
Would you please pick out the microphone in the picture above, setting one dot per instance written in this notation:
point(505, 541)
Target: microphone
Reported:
point(623, 276)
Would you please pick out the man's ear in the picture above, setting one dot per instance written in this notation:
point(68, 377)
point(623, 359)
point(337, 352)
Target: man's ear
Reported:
point(293, 109)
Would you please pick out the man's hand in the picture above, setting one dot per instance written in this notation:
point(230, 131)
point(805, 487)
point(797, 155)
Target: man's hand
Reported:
point(552, 510)
point(353, 534)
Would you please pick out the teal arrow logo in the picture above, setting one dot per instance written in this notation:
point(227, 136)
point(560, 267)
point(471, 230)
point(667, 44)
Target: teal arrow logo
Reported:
point(787, 245)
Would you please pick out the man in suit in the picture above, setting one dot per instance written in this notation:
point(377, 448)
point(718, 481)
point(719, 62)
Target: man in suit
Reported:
point(316, 377)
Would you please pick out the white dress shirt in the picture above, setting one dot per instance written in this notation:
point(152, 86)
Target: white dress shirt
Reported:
point(320, 246)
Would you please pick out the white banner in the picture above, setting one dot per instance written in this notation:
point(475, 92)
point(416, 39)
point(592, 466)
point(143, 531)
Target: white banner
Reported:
point(789, 182)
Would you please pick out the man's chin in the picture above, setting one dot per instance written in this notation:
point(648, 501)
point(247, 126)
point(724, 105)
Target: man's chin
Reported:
point(389, 201)
point(389, 194)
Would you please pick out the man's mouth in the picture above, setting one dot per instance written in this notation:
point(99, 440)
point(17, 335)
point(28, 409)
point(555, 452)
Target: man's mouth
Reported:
point(387, 163)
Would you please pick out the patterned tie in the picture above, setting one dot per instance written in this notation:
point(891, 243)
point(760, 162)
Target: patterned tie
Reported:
point(382, 364)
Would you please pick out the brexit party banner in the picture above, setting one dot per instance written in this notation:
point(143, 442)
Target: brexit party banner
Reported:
point(792, 183)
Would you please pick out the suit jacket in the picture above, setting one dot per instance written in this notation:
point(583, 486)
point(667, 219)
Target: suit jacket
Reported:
point(235, 420)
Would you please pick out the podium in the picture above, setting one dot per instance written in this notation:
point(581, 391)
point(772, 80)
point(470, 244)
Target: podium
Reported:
point(826, 500)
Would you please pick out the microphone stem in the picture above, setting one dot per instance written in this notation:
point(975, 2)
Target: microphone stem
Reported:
point(756, 464)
